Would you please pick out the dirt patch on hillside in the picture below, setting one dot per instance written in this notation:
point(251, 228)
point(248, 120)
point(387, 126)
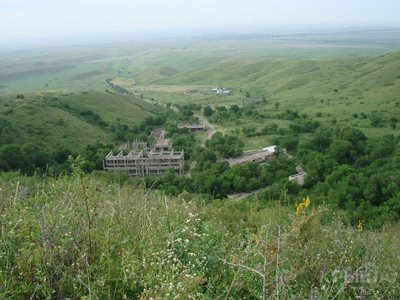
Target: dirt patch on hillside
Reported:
point(123, 82)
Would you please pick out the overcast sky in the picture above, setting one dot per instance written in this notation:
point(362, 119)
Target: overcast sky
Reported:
point(46, 18)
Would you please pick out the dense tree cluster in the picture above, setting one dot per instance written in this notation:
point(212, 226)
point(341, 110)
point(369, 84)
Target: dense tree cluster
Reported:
point(225, 146)
point(355, 173)
point(31, 159)
point(217, 179)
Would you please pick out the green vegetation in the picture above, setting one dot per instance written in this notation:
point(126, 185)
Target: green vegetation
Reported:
point(70, 231)
point(87, 236)
point(70, 120)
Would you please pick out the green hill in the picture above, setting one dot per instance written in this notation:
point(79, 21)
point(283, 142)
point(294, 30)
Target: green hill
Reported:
point(289, 79)
point(70, 120)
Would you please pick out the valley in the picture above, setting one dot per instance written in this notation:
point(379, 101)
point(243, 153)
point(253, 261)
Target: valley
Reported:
point(75, 223)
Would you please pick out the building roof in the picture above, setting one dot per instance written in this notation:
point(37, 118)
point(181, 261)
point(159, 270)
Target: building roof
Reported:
point(180, 125)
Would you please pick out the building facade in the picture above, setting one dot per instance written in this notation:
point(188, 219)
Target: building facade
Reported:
point(145, 163)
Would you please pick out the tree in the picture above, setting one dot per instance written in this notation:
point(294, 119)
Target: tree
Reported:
point(277, 105)
point(234, 108)
point(208, 111)
point(342, 151)
point(319, 166)
point(10, 157)
point(289, 142)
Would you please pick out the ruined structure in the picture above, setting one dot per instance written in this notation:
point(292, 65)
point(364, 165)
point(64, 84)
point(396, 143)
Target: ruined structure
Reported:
point(136, 144)
point(145, 163)
point(158, 134)
point(192, 127)
point(163, 145)
point(161, 142)
point(260, 156)
point(299, 178)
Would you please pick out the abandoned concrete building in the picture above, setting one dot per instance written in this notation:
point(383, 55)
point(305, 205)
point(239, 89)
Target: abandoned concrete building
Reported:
point(163, 145)
point(260, 156)
point(161, 142)
point(145, 163)
point(193, 127)
point(299, 178)
point(158, 134)
point(136, 144)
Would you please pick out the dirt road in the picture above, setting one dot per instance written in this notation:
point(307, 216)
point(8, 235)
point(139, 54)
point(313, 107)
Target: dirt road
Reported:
point(210, 132)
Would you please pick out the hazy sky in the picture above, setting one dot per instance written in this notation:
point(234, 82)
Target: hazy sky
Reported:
point(46, 18)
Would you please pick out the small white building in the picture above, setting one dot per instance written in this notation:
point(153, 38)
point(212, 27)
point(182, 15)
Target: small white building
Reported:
point(221, 91)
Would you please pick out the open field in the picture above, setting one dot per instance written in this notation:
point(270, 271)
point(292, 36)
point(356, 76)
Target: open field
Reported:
point(193, 61)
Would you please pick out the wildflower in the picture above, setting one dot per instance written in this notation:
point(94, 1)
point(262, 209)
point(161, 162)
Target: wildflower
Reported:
point(305, 203)
point(359, 225)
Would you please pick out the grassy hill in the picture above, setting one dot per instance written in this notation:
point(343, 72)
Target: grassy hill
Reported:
point(286, 79)
point(51, 119)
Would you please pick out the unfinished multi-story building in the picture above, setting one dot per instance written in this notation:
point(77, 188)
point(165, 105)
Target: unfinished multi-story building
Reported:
point(145, 163)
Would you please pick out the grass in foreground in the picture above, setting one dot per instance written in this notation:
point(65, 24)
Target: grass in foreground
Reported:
point(86, 237)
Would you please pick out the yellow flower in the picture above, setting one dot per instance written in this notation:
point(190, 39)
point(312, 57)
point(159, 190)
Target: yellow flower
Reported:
point(359, 225)
point(308, 202)
point(305, 203)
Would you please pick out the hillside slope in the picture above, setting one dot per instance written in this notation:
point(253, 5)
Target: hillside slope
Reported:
point(296, 78)
point(70, 120)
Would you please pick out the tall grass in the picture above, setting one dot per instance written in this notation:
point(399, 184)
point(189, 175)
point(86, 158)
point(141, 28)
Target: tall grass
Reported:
point(143, 245)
